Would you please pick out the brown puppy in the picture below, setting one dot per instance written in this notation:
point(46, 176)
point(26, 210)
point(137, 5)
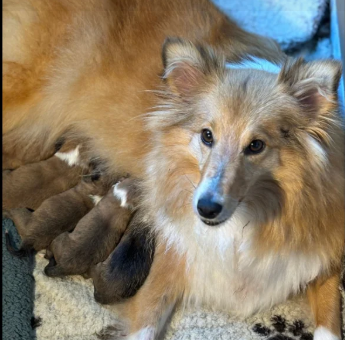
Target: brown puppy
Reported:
point(56, 215)
point(31, 184)
point(126, 269)
point(96, 234)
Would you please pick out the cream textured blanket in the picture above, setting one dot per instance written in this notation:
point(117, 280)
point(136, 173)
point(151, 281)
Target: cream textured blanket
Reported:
point(69, 312)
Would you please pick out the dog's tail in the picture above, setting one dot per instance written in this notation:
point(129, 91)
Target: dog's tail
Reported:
point(21, 252)
point(235, 42)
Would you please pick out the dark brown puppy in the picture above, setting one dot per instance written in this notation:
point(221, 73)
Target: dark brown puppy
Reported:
point(56, 215)
point(127, 267)
point(96, 234)
point(29, 185)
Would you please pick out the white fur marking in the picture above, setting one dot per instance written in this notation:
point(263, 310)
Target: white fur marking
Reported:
point(256, 63)
point(147, 333)
point(121, 195)
point(95, 199)
point(322, 333)
point(71, 157)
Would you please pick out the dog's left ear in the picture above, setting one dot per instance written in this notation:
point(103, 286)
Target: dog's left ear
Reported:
point(313, 84)
point(187, 65)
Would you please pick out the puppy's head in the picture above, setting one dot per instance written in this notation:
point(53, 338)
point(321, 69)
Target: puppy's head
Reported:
point(227, 139)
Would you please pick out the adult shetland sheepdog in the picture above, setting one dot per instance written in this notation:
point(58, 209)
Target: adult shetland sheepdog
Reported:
point(243, 169)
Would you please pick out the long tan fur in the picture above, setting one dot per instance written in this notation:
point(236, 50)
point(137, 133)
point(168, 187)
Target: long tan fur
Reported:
point(94, 70)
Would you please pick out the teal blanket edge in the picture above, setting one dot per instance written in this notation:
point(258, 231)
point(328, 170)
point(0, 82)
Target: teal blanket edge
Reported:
point(17, 291)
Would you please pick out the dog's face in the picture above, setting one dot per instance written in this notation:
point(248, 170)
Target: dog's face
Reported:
point(229, 139)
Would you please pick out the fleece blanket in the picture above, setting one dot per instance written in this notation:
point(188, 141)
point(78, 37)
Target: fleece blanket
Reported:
point(68, 311)
point(292, 23)
point(64, 309)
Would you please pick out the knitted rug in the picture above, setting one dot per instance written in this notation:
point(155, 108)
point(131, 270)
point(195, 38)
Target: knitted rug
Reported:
point(68, 312)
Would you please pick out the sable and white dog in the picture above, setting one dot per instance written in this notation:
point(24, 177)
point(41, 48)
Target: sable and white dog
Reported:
point(242, 169)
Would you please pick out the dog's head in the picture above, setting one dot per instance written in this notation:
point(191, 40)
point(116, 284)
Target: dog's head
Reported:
point(226, 138)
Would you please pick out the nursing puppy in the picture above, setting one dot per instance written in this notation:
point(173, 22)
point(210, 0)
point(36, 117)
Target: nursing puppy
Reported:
point(31, 184)
point(15, 157)
point(127, 267)
point(96, 234)
point(55, 215)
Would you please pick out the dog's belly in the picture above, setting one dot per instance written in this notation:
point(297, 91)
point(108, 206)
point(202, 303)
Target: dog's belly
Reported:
point(243, 284)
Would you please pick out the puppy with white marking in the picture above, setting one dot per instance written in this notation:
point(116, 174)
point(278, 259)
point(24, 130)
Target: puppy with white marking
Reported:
point(121, 275)
point(54, 216)
point(96, 234)
point(31, 184)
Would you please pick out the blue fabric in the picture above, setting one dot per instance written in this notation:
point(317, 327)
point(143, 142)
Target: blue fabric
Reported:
point(256, 64)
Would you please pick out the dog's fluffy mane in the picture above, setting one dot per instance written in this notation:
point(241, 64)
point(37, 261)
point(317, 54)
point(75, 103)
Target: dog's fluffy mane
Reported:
point(292, 211)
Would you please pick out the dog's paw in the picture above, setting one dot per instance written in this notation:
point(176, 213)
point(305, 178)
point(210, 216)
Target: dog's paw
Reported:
point(113, 332)
point(147, 333)
point(322, 333)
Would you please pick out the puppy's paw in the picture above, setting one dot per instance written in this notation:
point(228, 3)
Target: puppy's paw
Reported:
point(322, 333)
point(42, 254)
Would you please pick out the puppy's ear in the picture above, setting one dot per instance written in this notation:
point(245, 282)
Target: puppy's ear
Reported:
point(187, 66)
point(313, 84)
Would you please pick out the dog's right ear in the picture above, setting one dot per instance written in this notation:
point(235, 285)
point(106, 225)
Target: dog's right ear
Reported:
point(187, 66)
point(313, 84)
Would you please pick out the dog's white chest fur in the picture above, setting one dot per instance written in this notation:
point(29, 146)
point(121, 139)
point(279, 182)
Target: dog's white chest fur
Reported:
point(224, 273)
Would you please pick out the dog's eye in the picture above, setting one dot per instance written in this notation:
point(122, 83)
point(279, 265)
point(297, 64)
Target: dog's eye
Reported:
point(256, 146)
point(207, 137)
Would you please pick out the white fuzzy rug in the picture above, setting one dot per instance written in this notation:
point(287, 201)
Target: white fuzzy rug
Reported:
point(69, 312)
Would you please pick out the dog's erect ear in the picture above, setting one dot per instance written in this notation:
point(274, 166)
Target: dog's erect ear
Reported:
point(186, 65)
point(313, 84)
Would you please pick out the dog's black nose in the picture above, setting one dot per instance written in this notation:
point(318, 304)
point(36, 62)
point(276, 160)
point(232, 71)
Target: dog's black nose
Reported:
point(208, 208)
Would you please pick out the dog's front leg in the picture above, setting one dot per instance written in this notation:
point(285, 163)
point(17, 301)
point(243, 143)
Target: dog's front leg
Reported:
point(149, 310)
point(324, 298)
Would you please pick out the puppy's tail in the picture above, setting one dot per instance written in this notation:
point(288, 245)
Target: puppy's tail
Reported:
point(21, 252)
